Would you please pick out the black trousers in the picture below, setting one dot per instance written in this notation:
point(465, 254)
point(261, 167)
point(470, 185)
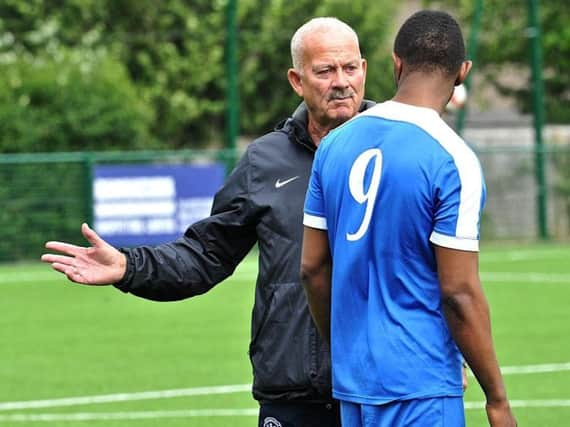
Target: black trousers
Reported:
point(299, 414)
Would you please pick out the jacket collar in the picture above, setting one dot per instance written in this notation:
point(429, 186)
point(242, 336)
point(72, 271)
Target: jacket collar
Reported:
point(296, 125)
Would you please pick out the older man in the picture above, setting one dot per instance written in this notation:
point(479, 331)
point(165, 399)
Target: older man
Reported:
point(261, 202)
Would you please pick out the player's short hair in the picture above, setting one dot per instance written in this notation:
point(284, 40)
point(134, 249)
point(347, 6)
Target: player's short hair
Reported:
point(430, 40)
point(325, 24)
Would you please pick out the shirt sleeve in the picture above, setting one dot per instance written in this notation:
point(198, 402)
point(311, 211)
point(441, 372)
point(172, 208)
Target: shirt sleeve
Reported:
point(208, 252)
point(460, 197)
point(314, 212)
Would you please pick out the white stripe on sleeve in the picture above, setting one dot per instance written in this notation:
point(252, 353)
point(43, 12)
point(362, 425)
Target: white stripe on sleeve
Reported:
point(471, 245)
point(313, 221)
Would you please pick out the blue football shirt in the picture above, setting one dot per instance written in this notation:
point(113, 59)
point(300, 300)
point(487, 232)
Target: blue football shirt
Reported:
point(387, 185)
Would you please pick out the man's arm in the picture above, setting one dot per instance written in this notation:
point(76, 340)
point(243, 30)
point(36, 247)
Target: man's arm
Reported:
point(208, 252)
point(316, 277)
point(100, 264)
point(467, 314)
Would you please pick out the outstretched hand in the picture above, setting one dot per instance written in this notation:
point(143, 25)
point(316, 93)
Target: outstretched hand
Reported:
point(100, 264)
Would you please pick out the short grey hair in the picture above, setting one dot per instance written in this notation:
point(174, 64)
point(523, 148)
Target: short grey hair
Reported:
point(325, 24)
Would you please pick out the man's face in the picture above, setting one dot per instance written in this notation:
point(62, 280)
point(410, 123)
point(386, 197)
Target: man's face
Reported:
point(332, 80)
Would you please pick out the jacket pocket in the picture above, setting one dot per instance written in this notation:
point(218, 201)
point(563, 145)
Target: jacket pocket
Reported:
point(279, 349)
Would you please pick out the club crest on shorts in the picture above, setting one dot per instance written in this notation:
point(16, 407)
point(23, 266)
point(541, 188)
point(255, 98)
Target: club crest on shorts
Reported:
point(271, 422)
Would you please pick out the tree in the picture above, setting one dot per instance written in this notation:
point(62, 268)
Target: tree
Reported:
point(70, 101)
point(173, 52)
point(504, 46)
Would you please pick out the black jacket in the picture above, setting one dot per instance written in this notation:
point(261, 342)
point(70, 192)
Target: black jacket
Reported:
point(261, 201)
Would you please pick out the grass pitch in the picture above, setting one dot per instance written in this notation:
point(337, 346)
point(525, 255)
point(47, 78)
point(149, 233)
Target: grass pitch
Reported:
point(85, 356)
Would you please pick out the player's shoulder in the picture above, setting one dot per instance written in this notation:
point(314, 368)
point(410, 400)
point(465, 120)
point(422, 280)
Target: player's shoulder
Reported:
point(426, 119)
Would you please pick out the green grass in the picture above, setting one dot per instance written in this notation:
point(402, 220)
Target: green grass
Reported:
point(63, 340)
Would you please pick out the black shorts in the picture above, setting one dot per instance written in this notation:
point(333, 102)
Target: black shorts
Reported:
point(299, 414)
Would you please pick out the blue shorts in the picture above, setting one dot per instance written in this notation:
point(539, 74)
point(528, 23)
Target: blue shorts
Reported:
point(435, 412)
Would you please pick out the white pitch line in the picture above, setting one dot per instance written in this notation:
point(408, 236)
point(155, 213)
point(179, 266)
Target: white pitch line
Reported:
point(35, 277)
point(525, 277)
point(553, 403)
point(252, 412)
point(224, 389)
point(502, 276)
point(245, 270)
point(92, 416)
point(124, 397)
point(533, 369)
point(536, 369)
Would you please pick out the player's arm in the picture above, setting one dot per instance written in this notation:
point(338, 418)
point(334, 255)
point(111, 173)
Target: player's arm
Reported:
point(316, 277)
point(467, 314)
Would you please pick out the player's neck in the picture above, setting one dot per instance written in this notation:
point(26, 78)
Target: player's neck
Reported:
point(423, 91)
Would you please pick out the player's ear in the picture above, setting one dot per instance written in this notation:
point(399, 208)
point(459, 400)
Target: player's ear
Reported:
point(397, 67)
point(294, 78)
point(463, 72)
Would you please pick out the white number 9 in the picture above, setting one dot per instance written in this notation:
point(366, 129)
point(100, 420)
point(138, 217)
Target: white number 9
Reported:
point(356, 187)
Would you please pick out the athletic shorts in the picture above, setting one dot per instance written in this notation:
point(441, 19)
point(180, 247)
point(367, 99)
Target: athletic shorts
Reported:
point(299, 414)
point(435, 412)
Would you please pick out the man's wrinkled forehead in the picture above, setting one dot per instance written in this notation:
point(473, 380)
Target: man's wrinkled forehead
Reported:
point(332, 48)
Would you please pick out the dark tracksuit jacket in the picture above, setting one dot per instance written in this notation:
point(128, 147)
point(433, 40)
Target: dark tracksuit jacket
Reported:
point(261, 202)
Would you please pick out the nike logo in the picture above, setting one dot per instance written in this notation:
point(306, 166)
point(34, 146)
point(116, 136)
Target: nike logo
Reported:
point(279, 183)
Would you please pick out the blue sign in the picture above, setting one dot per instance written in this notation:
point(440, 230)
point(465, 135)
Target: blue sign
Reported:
point(151, 204)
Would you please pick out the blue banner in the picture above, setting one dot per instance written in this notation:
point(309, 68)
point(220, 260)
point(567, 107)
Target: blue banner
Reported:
point(151, 204)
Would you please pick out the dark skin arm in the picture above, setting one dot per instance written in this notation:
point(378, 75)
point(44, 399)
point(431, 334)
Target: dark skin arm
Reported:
point(316, 277)
point(316, 267)
point(467, 314)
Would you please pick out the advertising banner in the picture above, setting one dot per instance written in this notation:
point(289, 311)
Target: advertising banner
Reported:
point(151, 204)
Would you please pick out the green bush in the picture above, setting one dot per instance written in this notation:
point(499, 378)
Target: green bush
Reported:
point(174, 53)
point(70, 101)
